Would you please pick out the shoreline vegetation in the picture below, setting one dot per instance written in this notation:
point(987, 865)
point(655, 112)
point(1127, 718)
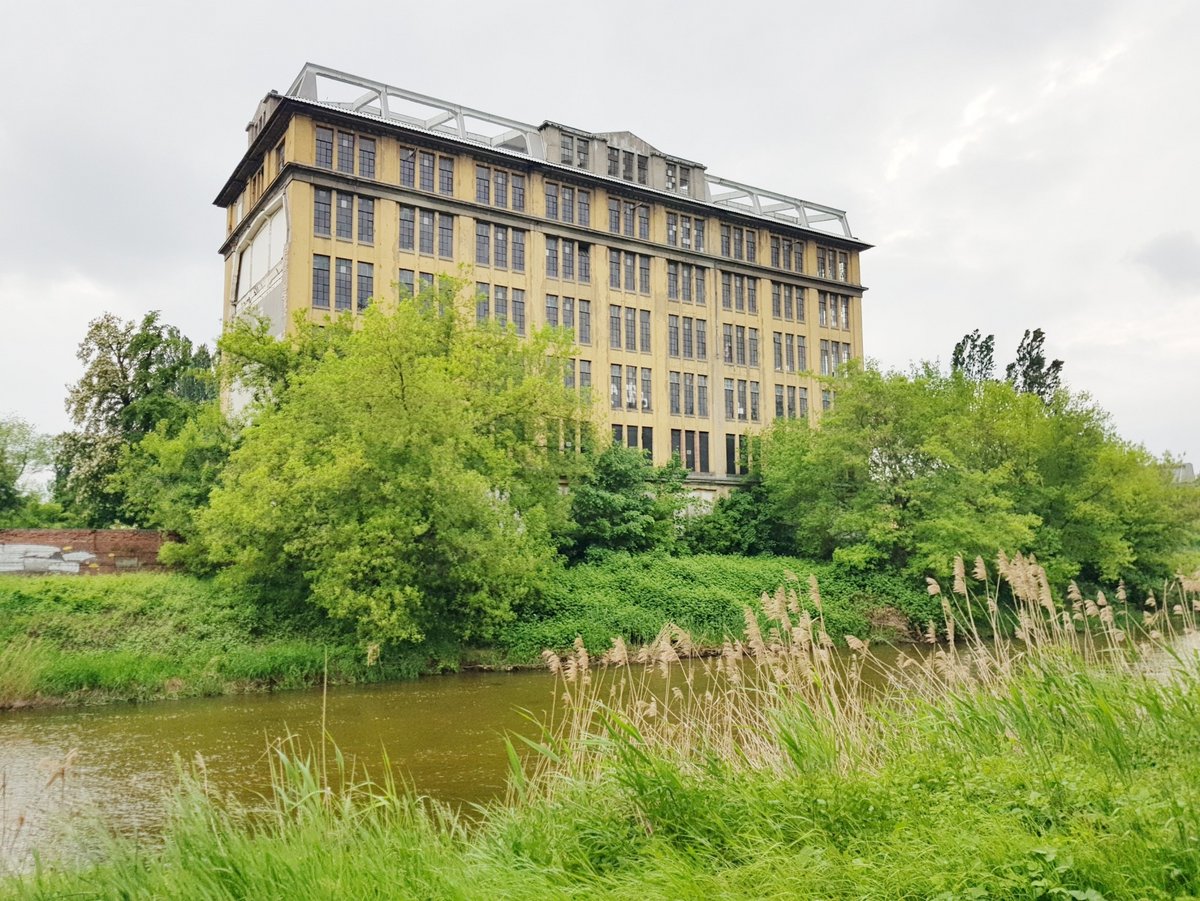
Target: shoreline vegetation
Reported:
point(1061, 763)
point(138, 637)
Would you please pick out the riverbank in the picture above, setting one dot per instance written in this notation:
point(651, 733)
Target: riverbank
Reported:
point(1067, 766)
point(97, 639)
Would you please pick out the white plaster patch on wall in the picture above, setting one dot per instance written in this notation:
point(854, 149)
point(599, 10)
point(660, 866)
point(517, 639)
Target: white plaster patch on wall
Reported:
point(41, 558)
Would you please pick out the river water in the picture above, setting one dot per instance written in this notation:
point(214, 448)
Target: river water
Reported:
point(444, 734)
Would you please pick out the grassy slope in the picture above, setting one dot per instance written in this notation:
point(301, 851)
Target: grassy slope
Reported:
point(142, 636)
point(147, 635)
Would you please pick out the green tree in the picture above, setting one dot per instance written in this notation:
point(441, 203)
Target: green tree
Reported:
point(1029, 372)
point(974, 357)
point(625, 504)
point(909, 470)
point(409, 482)
point(137, 375)
point(22, 450)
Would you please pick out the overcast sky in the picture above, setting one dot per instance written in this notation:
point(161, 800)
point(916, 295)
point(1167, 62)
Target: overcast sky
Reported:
point(1016, 164)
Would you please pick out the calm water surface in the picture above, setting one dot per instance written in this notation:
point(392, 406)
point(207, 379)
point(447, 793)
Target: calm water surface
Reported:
point(444, 734)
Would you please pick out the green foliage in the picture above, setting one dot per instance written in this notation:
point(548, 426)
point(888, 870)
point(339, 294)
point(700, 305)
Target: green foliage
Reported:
point(744, 523)
point(22, 450)
point(975, 357)
point(137, 377)
point(1070, 784)
point(1029, 373)
point(410, 482)
point(165, 479)
point(143, 636)
point(625, 504)
point(907, 471)
point(256, 362)
point(635, 596)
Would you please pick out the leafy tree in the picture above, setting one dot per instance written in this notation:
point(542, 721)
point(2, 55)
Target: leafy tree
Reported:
point(625, 504)
point(974, 357)
point(410, 482)
point(1029, 372)
point(137, 375)
point(743, 524)
point(22, 450)
point(908, 470)
point(166, 478)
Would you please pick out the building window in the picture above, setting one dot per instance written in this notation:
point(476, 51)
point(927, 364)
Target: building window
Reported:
point(585, 322)
point(482, 303)
point(518, 318)
point(614, 162)
point(582, 151)
point(727, 290)
point(406, 282)
point(585, 263)
point(642, 170)
point(753, 347)
point(324, 154)
point(614, 269)
point(320, 290)
point(345, 216)
point(631, 387)
point(408, 167)
point(846, 313)
point(646, 392)
point(446, 175)
point(483, 184)
point(822, 309)
point(741, 399)
point(672, 280)
point(518, 250)
point(726, 242)
point(727, 341)
point(551, 257)
point(567, 206)
point(777, 346)
point(702, 395)
point(826, 400)
point(643, 218)
point(779, 401)
point(568, 260)
point(673, 336)
point(501, 186)
point(688, 338)
point(568, 312)
point(585, 374)
point(585, 208)
point(630, 263)
point(614, 216)
point(518, 192)
point(342, 285)
point(791, 353)
point(426, 232)
point(729, 409)
point(689, 394)
point(754, 401)
point(752, 245)
point(672, 229)
point(322, 212)
point(445, 235)
point(701, 339)
point(741, 345)
point(628, 210)
point(366, 220)
point(752, 295)
point(552, 309)
point(426, 170)
point(614, 326)
point(643, 274)
point(483, 253)
point(366, 157)
point(630, 328)
point(345, 161)
point(551, 201)
point(408, 227)
point(366, 284)
point(801, 352)
point(673, 392)
point(500, 303)
point(677, 445)
point(500, 247)
point(644, 330)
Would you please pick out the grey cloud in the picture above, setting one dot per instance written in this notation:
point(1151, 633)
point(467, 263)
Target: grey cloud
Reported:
point(1174, 257)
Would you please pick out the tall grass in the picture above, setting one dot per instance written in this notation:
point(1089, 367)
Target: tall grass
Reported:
point(1062, 763)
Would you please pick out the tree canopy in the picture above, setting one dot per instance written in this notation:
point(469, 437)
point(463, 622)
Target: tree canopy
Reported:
point(410, 481)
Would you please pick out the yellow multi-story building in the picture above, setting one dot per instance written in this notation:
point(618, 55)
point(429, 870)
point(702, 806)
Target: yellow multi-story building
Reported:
point(703, 308)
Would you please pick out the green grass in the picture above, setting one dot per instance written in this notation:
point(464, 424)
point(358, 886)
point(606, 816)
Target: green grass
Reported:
point(1061, 781)
point(137, 637)
point(634, 596)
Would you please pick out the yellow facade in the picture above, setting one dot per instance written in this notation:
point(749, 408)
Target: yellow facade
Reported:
point(289, 197)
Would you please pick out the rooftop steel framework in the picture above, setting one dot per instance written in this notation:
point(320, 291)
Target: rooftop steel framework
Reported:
point(361, 96)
